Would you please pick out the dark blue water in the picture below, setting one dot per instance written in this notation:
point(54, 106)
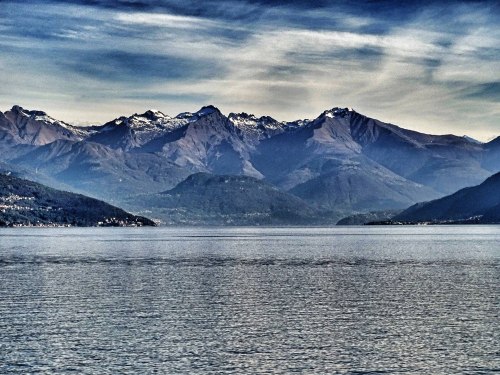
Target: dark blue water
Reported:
point(244, 300)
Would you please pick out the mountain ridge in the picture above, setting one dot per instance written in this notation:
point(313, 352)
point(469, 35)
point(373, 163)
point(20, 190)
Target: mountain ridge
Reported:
point(478, 204)
point(204, 198)
point(341, 160)
point(27, 203)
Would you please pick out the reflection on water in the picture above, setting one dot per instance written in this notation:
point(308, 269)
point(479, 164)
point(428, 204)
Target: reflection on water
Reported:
point(243, 300)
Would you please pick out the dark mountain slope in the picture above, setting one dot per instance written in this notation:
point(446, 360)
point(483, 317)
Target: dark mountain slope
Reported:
point(481, 202)
point(24, 202)
point(235, 200)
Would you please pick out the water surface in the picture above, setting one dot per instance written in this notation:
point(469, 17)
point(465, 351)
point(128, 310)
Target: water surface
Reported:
point(250, 300)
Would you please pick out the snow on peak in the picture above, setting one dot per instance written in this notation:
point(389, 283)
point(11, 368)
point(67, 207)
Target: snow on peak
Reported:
point(153, 114)
point(245, 120)
point(298, 123)
point(26, 112)
point(255, 128)
point(150, 121)
point(40, 116)
point(120, 120)
point(249, 119)
point(207, 110)
point(241, 116)
point(337, 112)
point(191, 117)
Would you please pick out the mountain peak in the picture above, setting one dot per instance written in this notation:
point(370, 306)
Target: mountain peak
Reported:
point(152, 114)
point(241, 115)
point(337, 112)
point(472, 140)
point(37, 128)
point(207, 110)
point(203, 111)
point(256, 127)
point(20, 110)
point(244, 117)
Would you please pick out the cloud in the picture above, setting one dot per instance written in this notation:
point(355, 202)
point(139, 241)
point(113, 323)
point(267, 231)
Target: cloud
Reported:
point(487, 91)
point(165, 20)
point(414, 64)
point(137, 68)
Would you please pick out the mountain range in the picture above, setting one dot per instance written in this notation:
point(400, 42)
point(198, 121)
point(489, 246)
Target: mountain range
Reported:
point(337, 164)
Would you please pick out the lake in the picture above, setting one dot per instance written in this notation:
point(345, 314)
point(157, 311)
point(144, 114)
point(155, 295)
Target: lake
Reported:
point(347, 300)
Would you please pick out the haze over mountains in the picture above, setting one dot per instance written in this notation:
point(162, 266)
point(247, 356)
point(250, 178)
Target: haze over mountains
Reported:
point(338, 164)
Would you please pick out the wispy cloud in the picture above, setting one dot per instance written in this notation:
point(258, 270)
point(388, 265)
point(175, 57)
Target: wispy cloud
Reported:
point(432, 67)
point(165, 20)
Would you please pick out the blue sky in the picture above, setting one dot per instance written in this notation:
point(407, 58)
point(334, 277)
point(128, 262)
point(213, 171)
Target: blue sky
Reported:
point(432, 66)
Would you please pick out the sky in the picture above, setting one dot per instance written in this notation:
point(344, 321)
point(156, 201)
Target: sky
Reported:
point(432, 66)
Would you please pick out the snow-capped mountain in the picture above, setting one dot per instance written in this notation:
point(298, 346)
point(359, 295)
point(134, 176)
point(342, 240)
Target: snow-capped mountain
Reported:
point(341, 161)
point(37, 128)
point(134, 131)
point(253, 129)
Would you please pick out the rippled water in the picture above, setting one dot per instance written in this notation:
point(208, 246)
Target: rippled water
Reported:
point(250, 300)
